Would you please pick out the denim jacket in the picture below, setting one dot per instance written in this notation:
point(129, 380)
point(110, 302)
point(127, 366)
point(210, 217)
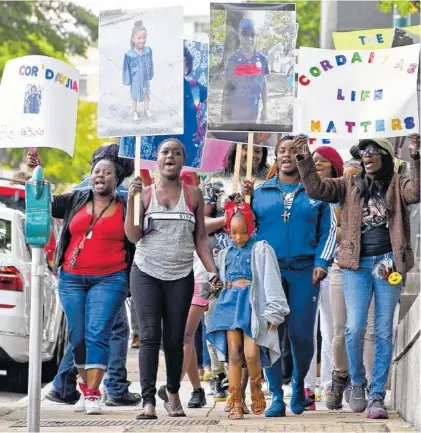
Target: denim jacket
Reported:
point(267, 297)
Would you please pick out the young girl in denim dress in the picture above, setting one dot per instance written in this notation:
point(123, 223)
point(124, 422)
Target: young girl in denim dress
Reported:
point(138, 70)
point(248, 310)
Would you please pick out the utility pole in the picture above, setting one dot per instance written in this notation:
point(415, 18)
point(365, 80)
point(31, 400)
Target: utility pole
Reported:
point(328, 22)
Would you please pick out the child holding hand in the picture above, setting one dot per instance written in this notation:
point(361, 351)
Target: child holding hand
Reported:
point(248, 309)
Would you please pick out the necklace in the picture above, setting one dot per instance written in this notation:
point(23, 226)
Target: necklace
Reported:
point(288, 198)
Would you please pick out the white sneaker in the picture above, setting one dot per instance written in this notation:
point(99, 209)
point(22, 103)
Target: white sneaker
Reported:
point(92, 406)
point(80, 405)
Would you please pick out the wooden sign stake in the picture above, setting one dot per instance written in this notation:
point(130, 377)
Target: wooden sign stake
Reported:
point(249, 160)
point(237, 166)
point(137, 173)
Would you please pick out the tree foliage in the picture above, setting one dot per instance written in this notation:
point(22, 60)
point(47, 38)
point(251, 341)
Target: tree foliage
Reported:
point(308, 18)
point(58, 29)
point(51, 28)
point(404, 7)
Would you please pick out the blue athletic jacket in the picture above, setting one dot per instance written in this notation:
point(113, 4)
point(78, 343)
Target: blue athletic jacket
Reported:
point(308, 239)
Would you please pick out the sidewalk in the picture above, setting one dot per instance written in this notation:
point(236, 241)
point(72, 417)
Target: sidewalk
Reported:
point(212, 418)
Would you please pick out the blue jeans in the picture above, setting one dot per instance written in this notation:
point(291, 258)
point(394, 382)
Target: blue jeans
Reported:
point(91, 305)
point(302, 296)
point(359, 287)
point(117, 384)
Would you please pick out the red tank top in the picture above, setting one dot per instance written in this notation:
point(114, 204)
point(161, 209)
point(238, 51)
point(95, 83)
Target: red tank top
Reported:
point(104, 253)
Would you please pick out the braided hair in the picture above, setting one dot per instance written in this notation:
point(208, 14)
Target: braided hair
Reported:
point(124, 167)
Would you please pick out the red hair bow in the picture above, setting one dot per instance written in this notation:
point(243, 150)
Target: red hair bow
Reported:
point(232, 208)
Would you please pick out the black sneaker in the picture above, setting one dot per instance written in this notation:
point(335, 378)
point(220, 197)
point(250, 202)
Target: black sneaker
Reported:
point(54, 396)
point(219, 394)
point(334, 394)
point(198, 399)
point(358, 398)
point(130, 399)
point(225, 383)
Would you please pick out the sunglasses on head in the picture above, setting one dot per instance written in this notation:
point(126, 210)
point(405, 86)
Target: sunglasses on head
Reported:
point(372, 151)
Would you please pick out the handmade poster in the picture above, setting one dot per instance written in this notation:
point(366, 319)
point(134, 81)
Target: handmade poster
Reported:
point(251, 60)
point(195, 110)
point(358, 94)
point(373, 39)
point(214, 152)
point(39, 97)
point(140, 72)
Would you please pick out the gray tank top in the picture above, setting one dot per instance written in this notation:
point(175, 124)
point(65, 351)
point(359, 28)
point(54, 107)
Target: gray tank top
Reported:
point(167, 247)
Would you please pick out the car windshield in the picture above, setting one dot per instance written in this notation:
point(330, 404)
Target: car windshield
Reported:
point(5, 236)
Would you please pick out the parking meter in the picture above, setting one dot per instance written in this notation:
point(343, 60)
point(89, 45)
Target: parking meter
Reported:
point(38, 209)
point(37, 233)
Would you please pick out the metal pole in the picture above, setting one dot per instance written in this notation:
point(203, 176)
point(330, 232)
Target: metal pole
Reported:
point(328, 22)
point(35, 339)
point(399, 21)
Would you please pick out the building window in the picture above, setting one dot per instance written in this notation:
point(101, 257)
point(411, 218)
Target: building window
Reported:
point(83, 86)
point(200, 27)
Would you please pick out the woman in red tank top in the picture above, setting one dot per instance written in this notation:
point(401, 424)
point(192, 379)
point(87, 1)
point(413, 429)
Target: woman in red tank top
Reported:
point(93, 255)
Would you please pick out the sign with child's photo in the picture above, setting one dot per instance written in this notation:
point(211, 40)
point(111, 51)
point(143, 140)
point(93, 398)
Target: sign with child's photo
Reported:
point(251, 67)
point(358, 94)
point(140, 72)
point(39, 97)
point(195, 83)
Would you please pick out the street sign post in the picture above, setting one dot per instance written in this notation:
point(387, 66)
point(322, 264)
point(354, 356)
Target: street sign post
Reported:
point(37, 233)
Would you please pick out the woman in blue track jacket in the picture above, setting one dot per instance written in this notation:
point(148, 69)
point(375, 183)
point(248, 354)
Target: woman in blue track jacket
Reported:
point(302, 232)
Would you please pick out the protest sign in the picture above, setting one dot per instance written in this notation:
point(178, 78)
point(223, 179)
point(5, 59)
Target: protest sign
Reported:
point(195, 110)
point(373, 39)
point(358, 94)
point(140, 72)
point(39, 104)
point(251, 62)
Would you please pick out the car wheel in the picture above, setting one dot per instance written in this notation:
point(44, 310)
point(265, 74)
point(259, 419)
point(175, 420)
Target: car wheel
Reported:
point(50, 368)
point(17, 377)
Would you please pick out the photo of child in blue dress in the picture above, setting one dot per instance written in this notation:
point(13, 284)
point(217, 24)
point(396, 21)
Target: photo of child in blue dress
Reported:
point(32, 100)
point(138, 70)
point(195, 111)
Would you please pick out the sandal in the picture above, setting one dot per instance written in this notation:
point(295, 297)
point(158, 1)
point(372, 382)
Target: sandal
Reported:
point(258, 404)
point(178, 412)
point(229, 405)
point(236, 411)
point(147, 414)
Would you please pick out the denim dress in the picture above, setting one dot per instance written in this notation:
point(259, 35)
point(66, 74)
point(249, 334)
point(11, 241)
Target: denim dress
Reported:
point(137, 73)
point(233, 308)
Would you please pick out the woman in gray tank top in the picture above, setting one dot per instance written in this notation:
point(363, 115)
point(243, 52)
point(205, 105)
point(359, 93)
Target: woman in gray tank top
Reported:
point(172, 227)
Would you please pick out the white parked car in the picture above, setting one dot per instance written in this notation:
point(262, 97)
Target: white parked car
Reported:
point(15, 298)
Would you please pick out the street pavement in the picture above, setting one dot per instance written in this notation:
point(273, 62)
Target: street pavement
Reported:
point(212, 418)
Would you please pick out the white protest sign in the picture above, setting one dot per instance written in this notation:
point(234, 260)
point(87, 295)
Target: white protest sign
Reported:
point(358, 94)
point(39, 97)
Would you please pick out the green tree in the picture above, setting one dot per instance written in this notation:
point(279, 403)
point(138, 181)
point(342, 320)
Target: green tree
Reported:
point(56, 29)
point(308, 18)
point(404, 7)
point(51, 28)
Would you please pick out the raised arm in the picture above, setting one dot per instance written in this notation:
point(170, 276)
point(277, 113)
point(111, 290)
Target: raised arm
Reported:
point(135, 233)
point(410, 187)
point(60, 204)
point(203, 248)
point(328, 190)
